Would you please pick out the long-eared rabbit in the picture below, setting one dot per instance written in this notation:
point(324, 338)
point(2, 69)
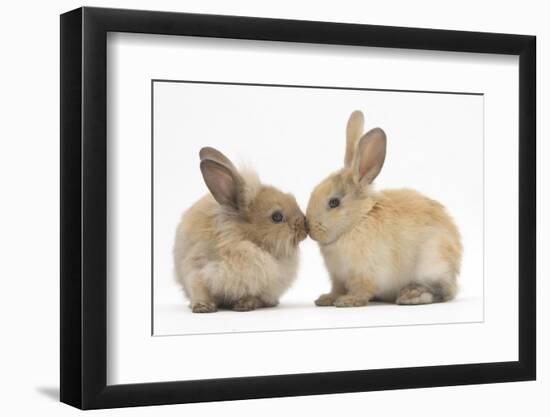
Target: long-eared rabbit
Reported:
point(393, 245)
point(238, 247)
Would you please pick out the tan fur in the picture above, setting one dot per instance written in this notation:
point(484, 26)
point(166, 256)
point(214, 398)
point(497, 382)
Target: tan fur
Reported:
point(238, 257)
point(393, 245)
point(354, 130)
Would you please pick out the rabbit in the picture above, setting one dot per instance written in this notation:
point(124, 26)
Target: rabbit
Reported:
point(237, 247)
point(392, 245)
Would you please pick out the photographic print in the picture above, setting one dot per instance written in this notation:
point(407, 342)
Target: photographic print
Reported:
point(337, 207)
point(295, 207)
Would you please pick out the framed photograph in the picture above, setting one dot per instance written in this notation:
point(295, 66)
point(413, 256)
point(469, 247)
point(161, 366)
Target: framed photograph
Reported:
point(258, 208)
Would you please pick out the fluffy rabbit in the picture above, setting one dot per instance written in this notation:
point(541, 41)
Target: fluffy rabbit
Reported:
point(238, 247)
point(393, 245)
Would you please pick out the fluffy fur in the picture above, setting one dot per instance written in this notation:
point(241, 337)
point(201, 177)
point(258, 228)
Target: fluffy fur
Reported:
point(393, 245)
point(228, 250)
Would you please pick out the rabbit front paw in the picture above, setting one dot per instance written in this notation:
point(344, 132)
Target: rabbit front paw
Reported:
point(326, 300)
point(350, 301)
point(204, 307)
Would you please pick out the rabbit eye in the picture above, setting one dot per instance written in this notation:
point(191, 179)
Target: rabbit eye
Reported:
point(277, 217)
point(334, 202)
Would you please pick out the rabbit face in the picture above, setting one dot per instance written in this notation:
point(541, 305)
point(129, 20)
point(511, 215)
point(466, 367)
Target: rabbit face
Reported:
point(340, 200)
point(333, 207)
point(274, 221)
point(267, 216)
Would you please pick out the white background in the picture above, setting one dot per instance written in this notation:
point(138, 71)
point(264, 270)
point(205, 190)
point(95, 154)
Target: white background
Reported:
point(295, 137)
point(132, 60)
point(29, 168)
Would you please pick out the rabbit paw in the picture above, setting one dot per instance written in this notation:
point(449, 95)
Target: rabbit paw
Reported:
point(204, 307)
point(247, 304)
point(326, 300)
point(350, 301)
point(414, 294)
point(270, 303)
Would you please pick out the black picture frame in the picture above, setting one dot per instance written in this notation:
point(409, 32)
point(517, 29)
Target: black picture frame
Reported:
point(84, 207)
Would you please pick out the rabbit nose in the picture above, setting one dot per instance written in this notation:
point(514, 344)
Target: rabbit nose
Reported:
point(306, 226)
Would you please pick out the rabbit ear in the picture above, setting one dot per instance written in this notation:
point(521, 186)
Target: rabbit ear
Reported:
point(370, 155)
point(354, 130)
point(224, 183)
point(221, 177)
point(210, 153)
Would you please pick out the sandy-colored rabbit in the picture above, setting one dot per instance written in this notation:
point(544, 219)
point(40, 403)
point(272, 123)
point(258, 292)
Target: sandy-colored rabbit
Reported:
point(238, 247)
point(393, 245)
